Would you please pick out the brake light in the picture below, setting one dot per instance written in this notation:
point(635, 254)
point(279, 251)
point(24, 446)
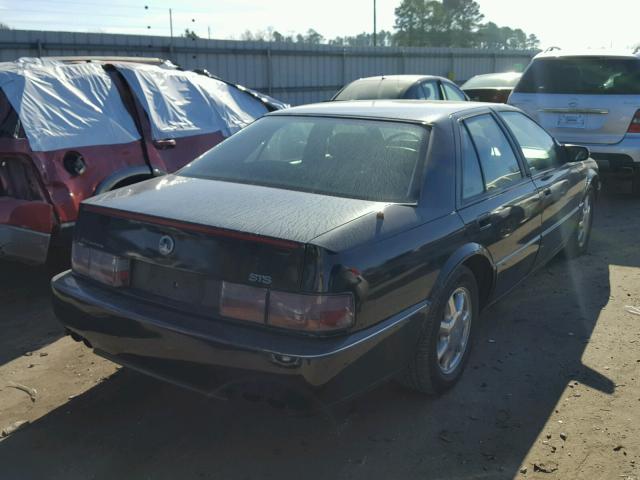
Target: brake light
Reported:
point(312, 313)
point(101, 266)
point(303, 312)
point(634, 126)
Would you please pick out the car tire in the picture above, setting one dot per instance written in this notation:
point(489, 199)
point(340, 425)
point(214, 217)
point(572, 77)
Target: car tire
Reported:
point(579, 242)
point(427, 371)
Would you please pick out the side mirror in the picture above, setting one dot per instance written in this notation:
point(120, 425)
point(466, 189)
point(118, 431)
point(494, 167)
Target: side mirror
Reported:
point(576, 153)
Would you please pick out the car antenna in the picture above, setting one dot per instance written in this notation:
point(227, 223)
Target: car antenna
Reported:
point(551, 49)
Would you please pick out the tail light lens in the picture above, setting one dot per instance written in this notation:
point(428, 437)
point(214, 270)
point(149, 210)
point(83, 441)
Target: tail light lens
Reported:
point(634, 126)
point(101, 266)
point(302, 312)
point(243, 302)
point(312, 313)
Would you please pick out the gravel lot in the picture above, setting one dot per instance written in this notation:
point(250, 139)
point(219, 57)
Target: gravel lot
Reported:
point(552, 391)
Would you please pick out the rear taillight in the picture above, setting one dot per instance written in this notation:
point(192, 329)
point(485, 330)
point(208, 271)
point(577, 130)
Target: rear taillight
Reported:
point(302, 312)
point(634, 126)
point(101, 266)
point(313, 313)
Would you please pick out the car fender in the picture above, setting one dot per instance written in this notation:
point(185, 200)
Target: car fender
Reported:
point(457, 258)
point(122, 175)
point(592, 178)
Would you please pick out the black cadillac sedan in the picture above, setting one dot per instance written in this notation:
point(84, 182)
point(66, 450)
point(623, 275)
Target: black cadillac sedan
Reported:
point(326, 248)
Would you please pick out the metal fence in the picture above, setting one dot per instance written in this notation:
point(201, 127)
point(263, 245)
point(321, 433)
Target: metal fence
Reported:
point(294, 73)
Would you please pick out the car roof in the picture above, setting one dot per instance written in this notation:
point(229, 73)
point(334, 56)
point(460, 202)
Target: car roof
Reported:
point(419, 111)
point(559, 53)
point(405, 79)
point(499, 78)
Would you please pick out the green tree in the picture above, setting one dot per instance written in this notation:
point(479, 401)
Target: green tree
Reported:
point(451, 23)
point(190, 34)
point(4, 26)
point(454, 23)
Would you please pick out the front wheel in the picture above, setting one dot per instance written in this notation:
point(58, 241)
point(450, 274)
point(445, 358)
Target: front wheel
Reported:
point(445, 341)
point(579, 241)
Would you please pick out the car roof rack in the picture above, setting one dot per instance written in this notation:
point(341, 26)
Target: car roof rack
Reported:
point(551, 49)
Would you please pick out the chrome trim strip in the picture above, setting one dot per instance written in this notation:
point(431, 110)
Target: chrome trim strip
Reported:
point(516, 252)
point(597, 111)
point(562, 220)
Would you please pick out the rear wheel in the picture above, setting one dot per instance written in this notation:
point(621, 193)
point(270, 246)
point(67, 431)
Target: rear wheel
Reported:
point(579, 242)
point(447, 333)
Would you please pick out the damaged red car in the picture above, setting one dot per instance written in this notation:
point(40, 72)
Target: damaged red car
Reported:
point(71, 128)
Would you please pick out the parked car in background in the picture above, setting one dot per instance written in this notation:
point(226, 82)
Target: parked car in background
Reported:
point(74, 127)
point(590, 98)
point(491, 87)
point(326, 248)
point(412, 87)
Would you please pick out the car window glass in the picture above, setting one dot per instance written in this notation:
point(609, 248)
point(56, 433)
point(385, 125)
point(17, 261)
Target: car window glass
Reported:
point(537, 146)
point(286, 144)
point(590, 75)
point(430, 90)
point(453, 93)
point(366, 159)
point(498, 162)
point(472, 182)
point(415, 93)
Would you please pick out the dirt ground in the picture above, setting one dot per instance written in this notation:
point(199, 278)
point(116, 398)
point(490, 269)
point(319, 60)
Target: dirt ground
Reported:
point(552, 391)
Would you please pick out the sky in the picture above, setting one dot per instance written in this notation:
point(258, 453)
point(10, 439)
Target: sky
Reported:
point(563, 23)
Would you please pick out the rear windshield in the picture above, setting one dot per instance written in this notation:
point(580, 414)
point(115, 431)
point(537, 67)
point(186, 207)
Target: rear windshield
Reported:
point(582, 75)
point(498, 80)
point(365, 159)
point(373, 89)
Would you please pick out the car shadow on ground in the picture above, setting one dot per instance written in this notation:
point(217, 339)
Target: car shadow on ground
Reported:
point(26, 320)
point(530, 348)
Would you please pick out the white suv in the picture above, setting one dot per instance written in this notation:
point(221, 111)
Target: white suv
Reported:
point(590, 98)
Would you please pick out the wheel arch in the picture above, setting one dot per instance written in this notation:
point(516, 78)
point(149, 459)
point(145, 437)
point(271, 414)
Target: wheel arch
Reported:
point(477, 259)
point(121, 177)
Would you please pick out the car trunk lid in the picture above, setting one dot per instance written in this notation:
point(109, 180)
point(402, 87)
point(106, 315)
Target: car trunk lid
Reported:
point(591, 119)
point(218, 231)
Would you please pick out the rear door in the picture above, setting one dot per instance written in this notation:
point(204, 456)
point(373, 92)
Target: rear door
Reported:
point(183, 114)
point(560, 183)
point(500, 206)
point(588, 99)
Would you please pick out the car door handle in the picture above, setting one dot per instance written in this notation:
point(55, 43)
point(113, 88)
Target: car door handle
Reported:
point(484, 221)
point(546, 192)
point(164, 144)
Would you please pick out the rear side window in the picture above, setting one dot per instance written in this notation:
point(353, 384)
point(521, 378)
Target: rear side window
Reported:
point(423, 91)
point(582, 75)
point(452, 93)
point(537, 146)
point(472, 182)
point(499, 164)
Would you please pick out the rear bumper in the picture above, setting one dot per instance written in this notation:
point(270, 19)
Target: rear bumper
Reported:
point(23, 245)
point(617, 157)
point(215, 357)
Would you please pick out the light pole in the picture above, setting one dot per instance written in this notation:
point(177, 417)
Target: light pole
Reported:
point(375, 32)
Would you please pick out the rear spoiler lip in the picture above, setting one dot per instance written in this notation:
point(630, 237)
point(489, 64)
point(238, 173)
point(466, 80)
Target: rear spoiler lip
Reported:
point(191, 227)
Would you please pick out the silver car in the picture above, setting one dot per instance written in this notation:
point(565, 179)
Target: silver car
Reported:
point(588, 98)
